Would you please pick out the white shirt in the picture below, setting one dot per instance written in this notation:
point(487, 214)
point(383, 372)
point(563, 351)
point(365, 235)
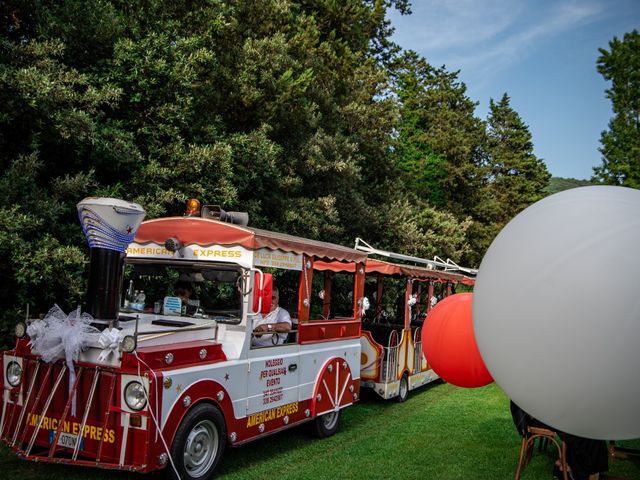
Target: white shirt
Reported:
point(279, 315)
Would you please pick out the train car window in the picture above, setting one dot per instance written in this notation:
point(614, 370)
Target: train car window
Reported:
point(341, 296)
point(319, 297)
point(392, 304)
point(204, 292)
point(286, 281)
point(423, 302)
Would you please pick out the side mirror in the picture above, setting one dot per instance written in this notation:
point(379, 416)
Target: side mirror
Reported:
point(263, 292)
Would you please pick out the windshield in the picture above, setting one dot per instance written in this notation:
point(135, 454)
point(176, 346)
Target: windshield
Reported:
point(193, 291)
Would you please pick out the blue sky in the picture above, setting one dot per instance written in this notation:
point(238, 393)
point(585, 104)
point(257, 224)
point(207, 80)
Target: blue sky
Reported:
point(541, 53)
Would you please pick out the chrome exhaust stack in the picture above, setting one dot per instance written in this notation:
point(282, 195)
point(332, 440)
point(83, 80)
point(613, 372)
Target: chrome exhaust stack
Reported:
point(110, 225)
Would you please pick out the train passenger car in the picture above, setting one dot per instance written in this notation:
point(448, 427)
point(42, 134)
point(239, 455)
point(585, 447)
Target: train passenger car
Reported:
point(398, 298)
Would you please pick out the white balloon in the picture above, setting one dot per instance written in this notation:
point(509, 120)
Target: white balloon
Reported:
point(556, 311)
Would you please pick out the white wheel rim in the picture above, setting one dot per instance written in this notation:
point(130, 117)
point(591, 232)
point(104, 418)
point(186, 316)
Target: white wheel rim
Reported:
point(403, 387)
point(201, 448)
point(329, 420)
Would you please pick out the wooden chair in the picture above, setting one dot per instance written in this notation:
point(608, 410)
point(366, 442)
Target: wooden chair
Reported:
point(545, 436)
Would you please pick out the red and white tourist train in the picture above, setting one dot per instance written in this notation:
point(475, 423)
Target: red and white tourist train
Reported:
point(165, 369)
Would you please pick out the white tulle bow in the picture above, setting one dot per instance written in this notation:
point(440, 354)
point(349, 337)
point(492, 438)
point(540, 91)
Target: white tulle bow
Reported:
point(412, 300)
point(34, 330)
point(365, 304)
point(109, 342)
point(65, 336)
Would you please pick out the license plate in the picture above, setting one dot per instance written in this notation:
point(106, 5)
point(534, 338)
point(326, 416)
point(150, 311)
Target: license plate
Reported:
point(68, 440)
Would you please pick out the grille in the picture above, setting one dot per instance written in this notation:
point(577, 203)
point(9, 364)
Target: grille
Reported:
point(51, 418)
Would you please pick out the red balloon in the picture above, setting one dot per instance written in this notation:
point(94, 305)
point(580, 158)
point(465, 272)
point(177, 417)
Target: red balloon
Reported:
point(449, 344)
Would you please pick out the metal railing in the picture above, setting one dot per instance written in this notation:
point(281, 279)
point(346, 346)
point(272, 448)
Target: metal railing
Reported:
point(447, 265)
point(417, 350)
point(389, 367)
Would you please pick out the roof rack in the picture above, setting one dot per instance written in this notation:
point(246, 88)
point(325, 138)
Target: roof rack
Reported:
point(437, 263)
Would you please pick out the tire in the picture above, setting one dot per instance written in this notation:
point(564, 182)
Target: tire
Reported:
point(326, 425)
point(199, 443)
point(403, 389)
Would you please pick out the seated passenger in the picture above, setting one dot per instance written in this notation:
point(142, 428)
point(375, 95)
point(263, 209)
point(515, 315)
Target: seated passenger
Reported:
point(184, 291)
point(277, 320)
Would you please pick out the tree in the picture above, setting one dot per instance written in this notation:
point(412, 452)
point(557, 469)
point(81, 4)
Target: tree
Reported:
point(440, 151)
point(559, 184)
point(621, 143)
point(514, 177)
point(424, 231)
point(439, 137)
point(49, 116)
point(517, 178)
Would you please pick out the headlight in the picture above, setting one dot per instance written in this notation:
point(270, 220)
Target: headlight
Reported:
point(14, 373)
point(135, 396)
point(20, 329)
point(128, 343)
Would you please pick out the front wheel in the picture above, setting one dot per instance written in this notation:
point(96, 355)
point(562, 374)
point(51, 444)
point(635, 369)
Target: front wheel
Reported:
point(199, 443)
point(327, 424)
point(403, 390)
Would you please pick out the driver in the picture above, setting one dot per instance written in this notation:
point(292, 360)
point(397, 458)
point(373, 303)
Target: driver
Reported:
point(277, 320)
point(184, 291)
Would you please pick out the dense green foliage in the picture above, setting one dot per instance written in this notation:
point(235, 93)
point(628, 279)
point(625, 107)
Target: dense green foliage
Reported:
point(302, 112)
point(276, 107)
point(440, 432)
point(440, 139)
point(621, 143)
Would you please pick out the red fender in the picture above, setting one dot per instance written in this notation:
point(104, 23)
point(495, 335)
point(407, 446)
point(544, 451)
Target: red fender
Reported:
point(202, 390)
point(335, 387)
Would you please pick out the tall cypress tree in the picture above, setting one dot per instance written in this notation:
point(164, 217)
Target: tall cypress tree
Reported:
point(517, 176)
point(513, 176)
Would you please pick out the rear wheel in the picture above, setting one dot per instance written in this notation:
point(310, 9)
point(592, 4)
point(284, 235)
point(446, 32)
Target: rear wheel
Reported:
point(403, 389)
point(199, 443)
point(327, 424)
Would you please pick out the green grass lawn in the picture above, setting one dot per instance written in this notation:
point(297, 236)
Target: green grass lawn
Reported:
point(442, 432)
